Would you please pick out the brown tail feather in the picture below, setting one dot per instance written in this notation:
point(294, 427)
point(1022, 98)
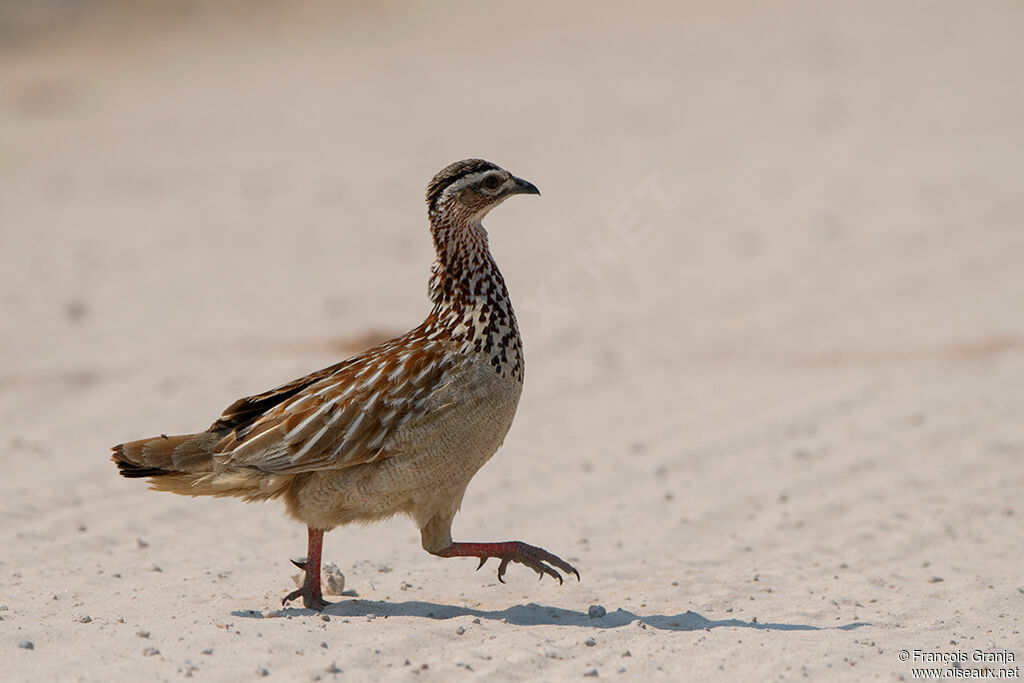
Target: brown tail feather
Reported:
point(164, 455)
point(185, 465)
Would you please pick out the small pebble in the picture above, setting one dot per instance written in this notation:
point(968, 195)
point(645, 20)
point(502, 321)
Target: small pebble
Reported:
point(476, 620)
point(262, 671)
point(142, 543)
point(460, 630)
point(207, 651)
point(27, 645)
point(142, 634)
point(591, 674)
point(325, 617)
point(936, 579)
point(324, 645)
point(333, 668)
point(332, 578)
point(384, 569)
point(150, 651)
point(596, 612)
point(86, 619)
point(590, 642)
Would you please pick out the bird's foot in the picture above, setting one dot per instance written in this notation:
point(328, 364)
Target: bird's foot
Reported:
point(537, 559)
point(313, 600)
point(312, 597)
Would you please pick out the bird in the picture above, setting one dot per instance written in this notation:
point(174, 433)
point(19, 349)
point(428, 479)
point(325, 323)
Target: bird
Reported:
point(399, 429)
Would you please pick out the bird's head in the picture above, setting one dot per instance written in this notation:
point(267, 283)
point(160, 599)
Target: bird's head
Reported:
point(468, 189)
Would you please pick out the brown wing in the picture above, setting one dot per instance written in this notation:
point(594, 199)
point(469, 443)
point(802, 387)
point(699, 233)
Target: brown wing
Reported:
point(246, 410)
point(344, 417)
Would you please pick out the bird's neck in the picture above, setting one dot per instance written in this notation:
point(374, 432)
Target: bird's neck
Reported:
point(471, 302)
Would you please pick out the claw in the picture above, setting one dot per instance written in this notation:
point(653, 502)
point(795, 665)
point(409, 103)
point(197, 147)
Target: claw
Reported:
point(537, 559)
point(309, 600)
point(301, 564)
point(543, 569)
point(502, 567)
point(291, 596)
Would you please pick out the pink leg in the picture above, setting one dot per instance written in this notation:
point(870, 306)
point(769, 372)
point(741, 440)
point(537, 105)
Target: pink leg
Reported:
point(310, 593)
point(533, 557)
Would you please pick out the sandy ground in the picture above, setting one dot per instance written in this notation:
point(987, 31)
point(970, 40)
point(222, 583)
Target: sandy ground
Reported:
point(771, 300)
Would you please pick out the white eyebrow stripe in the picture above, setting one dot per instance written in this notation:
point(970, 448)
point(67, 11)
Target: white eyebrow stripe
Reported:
point(467, 180)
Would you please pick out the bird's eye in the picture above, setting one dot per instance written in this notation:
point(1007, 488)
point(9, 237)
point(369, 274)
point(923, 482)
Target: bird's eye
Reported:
point(492, 182)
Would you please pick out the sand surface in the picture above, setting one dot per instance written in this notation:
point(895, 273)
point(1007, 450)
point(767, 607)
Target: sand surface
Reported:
point(772, 301)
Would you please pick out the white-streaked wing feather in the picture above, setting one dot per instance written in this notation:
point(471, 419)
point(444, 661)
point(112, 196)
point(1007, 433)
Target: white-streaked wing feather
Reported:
point(345, 418)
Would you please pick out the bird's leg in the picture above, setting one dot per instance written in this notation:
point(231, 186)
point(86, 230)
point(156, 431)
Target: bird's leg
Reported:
point(537, 559)
point(310, 593)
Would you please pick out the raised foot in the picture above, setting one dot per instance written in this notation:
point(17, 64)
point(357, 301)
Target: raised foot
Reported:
point(537, 559)
point(310, 593)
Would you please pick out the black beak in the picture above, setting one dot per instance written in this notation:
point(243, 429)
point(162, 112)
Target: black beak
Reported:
point(523, 187)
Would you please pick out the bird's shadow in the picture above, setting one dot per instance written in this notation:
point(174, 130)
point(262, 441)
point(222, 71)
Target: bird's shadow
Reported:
point(533, 614)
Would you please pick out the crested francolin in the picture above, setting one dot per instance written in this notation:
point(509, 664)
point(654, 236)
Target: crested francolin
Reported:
point(400, 428)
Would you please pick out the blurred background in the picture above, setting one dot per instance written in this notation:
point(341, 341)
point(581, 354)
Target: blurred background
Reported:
point(775, 273)
point(719, 178)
